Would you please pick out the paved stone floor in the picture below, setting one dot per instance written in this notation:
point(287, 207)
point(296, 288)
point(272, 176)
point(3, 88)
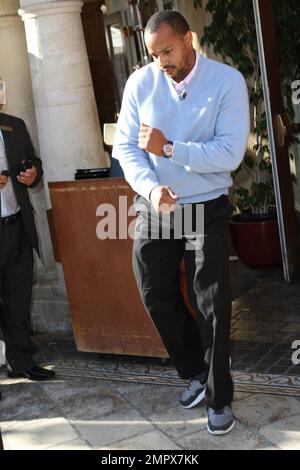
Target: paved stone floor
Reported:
point(265, 322)
point(109, 402)
point(98, 414)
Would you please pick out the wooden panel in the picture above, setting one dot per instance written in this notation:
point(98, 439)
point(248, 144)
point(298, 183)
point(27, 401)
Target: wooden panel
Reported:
point(53, 236)
point(107, 313)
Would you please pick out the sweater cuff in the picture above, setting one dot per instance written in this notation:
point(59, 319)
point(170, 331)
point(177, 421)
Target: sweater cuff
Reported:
point(181, 153)
point(147, 189)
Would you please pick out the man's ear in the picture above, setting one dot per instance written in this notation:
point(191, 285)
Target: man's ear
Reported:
point(188, 38)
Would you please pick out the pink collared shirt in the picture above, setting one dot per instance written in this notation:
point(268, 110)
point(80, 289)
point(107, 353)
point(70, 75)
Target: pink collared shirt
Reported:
point(179, 87)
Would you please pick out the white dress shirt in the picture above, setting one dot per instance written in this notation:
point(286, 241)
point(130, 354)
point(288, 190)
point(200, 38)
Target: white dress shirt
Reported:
point(9, 203)
point(181, 86)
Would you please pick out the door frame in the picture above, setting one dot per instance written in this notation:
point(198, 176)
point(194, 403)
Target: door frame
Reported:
point(117, 18)
point(283, 186)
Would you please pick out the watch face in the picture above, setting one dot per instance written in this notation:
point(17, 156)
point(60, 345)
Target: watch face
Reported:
point(168, 149)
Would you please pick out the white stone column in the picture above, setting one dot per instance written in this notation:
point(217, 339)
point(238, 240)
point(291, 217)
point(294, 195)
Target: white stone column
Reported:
point(14, 66)
point(68, 126)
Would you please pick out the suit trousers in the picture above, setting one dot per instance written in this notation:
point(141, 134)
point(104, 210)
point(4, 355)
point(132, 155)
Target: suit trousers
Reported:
point(200, 344)
point(16, 277)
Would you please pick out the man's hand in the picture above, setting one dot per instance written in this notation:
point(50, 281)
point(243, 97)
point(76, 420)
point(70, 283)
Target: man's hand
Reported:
point(163, 199)
point(3, 181)
point(28, 177)
point(152, 140)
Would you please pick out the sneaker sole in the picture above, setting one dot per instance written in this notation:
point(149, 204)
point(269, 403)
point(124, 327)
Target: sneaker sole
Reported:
point(21, 375)
point(196, 402)
point(219, 433)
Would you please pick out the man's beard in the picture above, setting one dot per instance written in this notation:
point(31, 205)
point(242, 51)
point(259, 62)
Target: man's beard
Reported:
point(180, 74)
point(176, 73)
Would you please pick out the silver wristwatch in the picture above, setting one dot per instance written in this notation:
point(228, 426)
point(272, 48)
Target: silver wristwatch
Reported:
point(168, 149)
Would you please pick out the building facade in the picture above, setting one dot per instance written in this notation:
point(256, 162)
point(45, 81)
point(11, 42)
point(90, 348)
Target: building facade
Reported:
point(65, 63)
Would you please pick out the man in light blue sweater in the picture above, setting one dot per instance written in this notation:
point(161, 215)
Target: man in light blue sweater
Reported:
point(183, 128)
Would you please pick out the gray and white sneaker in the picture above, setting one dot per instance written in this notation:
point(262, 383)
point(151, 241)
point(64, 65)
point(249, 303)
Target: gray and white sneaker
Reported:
point(220, 421)
point(194, 394)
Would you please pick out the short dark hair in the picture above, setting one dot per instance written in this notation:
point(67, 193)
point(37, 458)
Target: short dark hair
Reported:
point(173, 18)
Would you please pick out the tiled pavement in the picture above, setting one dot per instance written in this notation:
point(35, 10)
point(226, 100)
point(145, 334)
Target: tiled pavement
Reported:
point(89, 414)
point(265, 358)
point(81, 413)
point(265, 324)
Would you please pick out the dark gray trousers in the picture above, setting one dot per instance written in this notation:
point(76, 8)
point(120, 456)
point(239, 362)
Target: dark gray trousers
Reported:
point(16, 276)
point(194, 345)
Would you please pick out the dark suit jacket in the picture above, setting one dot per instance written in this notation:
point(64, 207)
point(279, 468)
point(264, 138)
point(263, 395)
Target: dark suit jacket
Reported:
point(18, 147)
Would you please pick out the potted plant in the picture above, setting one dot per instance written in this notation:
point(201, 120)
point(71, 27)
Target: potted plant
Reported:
point(254, 229)
point(254, 226)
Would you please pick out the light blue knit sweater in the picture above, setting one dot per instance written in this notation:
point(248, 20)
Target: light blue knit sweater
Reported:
point(210, 130)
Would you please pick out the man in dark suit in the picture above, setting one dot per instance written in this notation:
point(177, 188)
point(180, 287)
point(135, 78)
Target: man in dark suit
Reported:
point(18, 237)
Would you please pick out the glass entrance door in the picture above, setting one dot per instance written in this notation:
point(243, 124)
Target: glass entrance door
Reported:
point(118, 54)
point(280, 70)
